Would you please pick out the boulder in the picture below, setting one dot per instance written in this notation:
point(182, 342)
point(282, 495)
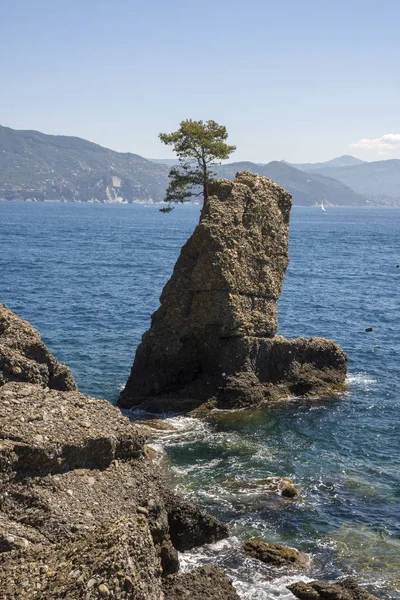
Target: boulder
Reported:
point(281, 485)
point(189, 527)
point(213, 337)
point(25, 358)
point(276, 555)
point(207, 582)
point(347, 589)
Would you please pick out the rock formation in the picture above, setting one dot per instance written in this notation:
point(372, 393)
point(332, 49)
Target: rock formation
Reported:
point(347, 589)
point(213, 337)
point(84, 510)
point(205, 583)
point(24, 357)
point(276, 555)
point(83, 507)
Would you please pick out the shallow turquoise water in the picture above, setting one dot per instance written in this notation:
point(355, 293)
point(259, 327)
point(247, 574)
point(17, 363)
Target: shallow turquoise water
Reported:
point(89, 276)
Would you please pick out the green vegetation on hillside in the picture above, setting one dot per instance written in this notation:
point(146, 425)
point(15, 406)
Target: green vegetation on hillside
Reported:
point(48, 167)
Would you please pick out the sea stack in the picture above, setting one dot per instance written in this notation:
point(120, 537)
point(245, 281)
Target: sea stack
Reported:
point(213, 339)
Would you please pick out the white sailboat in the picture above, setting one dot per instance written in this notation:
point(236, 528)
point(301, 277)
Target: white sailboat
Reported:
point(322, 206)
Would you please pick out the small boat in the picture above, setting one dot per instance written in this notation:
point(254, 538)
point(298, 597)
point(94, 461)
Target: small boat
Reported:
point(323, 207)
point(166, 209)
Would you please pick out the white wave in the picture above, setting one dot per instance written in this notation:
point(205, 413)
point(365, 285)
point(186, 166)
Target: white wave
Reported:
point(252, 579)
point(157, 448)
point(360, 380)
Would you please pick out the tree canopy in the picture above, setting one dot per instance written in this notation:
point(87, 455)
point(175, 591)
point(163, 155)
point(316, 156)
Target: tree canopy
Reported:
point(199, 145)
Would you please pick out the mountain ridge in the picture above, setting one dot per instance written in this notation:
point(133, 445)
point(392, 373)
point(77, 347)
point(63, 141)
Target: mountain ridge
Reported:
point(39, 166)
point(380, 179)
point(307, 189)
point(346, 160)
point(43, 167)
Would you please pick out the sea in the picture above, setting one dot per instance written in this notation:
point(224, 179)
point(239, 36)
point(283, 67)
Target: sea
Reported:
point(88, 276)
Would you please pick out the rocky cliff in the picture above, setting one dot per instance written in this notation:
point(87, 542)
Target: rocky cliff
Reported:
point(213, 337)
point(24, 357)
point(84, 510)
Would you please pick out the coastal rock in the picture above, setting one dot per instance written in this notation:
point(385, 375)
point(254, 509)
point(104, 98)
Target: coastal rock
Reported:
point(152, 426)
point(207, 582)
point(213, 337)
point(282, 486)
point(189, 527)
point(119, 559)
point(347, 589)
point(276, 555)
point(83, 506)
point(25, 358)
point(52, 432)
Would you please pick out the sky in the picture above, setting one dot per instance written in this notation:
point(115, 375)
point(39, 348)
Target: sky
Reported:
point(302, 81)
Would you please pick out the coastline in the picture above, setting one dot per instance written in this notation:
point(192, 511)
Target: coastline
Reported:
point(344, 478)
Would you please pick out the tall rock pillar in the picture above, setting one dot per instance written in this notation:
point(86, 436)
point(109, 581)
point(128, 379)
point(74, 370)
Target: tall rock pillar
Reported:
point(213, 337)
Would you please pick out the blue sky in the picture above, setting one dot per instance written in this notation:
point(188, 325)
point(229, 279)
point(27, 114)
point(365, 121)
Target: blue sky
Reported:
point(300, 81)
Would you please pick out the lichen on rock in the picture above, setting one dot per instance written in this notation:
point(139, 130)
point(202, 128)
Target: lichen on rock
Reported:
point(213, 337)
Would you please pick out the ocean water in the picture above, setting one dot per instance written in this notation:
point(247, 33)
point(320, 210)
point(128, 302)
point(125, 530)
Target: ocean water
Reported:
point(89, 277)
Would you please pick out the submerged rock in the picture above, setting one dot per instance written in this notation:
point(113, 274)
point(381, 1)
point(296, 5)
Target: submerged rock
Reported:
point(276, 555)
point(25, 358)
point(213, 337)
point(347, 589)
point(155, 425)
point(282, 486)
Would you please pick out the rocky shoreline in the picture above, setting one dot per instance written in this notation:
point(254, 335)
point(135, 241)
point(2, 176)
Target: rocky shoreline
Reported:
point(84, 510)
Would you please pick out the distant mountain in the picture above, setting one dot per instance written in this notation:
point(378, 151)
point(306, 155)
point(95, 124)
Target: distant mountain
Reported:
point(35, 166)
point(341, 161)
point(380, 180)
point(54, 167)
point(307, 189)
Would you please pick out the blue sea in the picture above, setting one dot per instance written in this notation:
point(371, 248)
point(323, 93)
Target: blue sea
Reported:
point(89, 276)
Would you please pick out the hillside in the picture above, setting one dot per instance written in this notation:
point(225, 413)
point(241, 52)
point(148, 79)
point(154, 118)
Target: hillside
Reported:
point(52, 167)
point(307, 189)
point(379, 179)
point(36, 166)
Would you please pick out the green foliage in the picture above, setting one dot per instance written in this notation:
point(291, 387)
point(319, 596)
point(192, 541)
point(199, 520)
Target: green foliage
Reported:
point(199, 146)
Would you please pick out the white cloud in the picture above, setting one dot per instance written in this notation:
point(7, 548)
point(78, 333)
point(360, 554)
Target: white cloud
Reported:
point(386, 143)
